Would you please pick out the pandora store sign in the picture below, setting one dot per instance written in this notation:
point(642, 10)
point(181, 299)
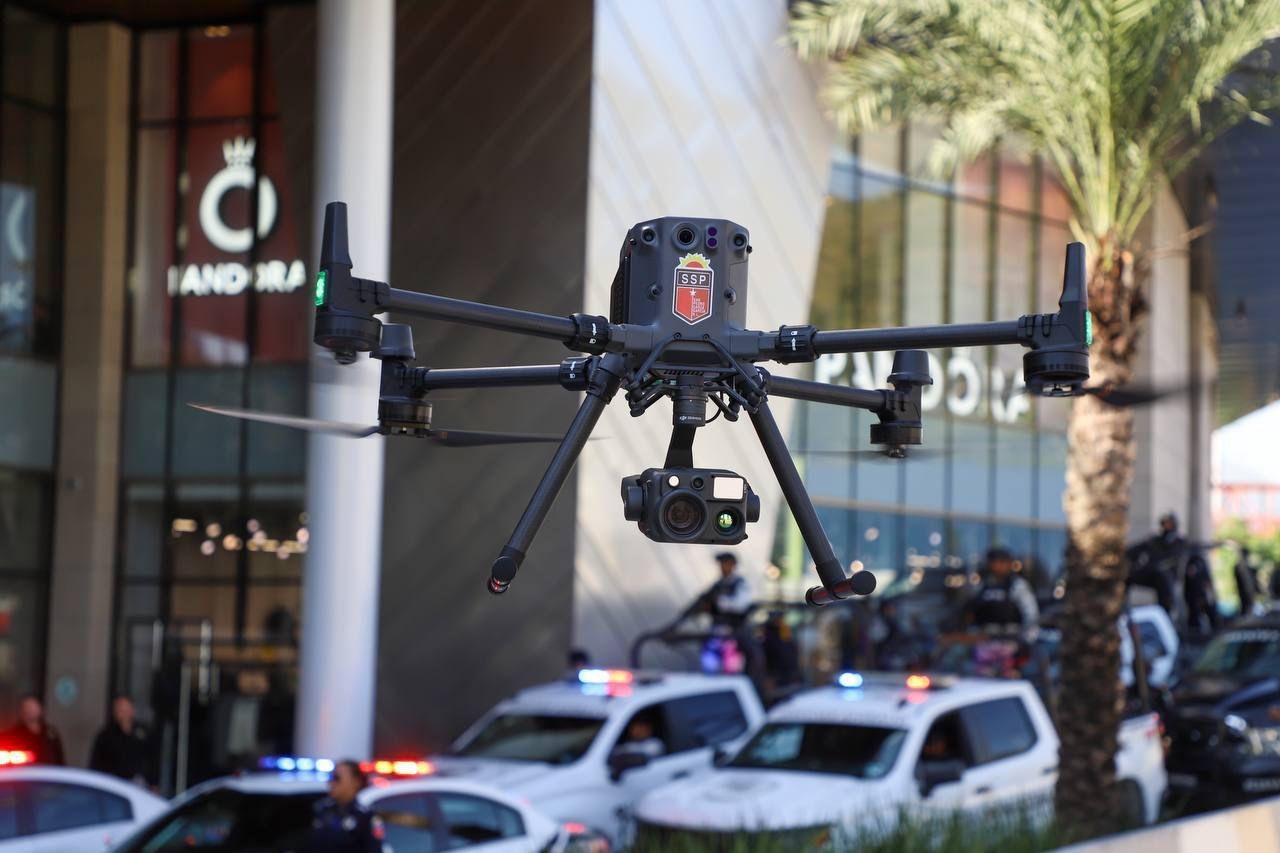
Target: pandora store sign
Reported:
point(230, 278)
point(962, 385)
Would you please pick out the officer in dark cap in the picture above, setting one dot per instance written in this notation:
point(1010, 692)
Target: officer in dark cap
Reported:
point(341, 824)
point(1005, 599)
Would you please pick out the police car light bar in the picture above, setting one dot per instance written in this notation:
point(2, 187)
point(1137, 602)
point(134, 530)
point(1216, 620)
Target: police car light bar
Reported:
point(16, 757)
point(325, 766)
point(606, 676)
point(913, 681)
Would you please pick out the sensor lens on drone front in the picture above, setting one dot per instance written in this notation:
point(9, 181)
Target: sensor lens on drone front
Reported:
point(683, 515)
point(667, 508)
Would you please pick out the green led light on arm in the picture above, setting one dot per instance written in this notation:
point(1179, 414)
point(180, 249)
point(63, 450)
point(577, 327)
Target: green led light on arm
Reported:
point(321, 280)
point(1088, 329)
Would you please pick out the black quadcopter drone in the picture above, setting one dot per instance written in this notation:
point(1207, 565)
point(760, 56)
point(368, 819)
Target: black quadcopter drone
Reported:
point(677, 329)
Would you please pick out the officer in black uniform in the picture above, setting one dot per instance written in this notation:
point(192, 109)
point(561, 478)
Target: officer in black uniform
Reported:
point(123, 748)
point(341, 824)
point(1005, 598)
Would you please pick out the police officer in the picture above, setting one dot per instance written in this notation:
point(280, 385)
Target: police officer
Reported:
point(341, 824)
point(729, 599)
point(1005, 598)
point(33, 733)
point(123, 748)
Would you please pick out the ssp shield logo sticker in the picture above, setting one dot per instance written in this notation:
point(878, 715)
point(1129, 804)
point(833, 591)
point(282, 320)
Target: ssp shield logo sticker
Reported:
point(691, 301)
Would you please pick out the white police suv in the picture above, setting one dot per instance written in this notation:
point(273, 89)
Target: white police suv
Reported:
point(66, 810)
point(419, 813)
point(583, 749)
point(837, 761)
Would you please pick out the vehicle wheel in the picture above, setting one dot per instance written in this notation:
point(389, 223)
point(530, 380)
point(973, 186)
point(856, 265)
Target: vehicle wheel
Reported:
point(1132, 810)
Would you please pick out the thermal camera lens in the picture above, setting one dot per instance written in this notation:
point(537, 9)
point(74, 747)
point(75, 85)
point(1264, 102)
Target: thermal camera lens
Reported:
point(726, 521)
point(684, 236)
point(683, 515)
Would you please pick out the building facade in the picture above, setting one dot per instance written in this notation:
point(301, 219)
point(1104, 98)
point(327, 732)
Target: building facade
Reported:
point(159, 551)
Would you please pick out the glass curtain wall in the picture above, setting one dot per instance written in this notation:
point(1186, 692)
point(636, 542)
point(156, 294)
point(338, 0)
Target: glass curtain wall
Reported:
point(32, 192)
point(900, 247)
point(213, 529)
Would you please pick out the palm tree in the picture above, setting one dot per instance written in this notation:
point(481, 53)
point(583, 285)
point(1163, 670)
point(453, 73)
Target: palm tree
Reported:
point(1118, 96)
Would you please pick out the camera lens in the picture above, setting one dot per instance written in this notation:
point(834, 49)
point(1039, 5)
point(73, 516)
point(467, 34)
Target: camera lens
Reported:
point(697, 483)
point(683, 515)
point(727, 522)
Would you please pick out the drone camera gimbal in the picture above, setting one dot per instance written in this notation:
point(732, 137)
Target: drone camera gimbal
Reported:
point(677, 329)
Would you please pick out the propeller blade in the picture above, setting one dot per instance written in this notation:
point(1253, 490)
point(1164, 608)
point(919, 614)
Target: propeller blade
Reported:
point(1127, 395)
point(883, 454)
point(292, 421)
point(1131, 395)
point(476, 438)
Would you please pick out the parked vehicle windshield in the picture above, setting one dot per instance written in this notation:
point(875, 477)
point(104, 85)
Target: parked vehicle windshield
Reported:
point(867, 752)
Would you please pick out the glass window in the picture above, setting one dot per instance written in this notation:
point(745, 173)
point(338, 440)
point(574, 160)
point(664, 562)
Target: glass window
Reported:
point(533, 737)
point(975, 179)
point(476, 820)
point(921, 137)
point(877, 540)
point(8, 810)
point(880, 150)
point(206, 445)
point(926, 541)
point(57, 806)
point(706, 720)
point(220, 72)
point(946, 741)
point(31, 252)
point(879, 290)
point(224, 819)
point(970, 251)
point(408, 822)
point(925, 258)
point(1017, 177)
point(25, 513)
point(215, 279)
point(155, 273)
point(1050, 554)
point(970, 467)
point(998, 729)
point(23, 610)
point(865, 752)
point(1052, 476)
point(34, 62)
point(969, 542)
point(1015, 471)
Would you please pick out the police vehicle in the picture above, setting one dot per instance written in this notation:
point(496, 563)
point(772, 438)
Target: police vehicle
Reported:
point(585, 748)
point(47, 809)
point(273, 810)
point(1224, 727)
point(837, 761)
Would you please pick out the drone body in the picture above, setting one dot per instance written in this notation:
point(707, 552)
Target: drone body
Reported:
point(677, 329)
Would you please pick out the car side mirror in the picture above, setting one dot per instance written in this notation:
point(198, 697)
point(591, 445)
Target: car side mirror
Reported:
point(623, 760)
point(935, 773)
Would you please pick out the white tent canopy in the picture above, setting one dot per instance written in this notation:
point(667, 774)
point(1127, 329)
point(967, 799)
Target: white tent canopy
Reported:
point(1247, 450)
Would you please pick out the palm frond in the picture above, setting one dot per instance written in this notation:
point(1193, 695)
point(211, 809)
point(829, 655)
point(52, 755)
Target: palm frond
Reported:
point(1114, 93)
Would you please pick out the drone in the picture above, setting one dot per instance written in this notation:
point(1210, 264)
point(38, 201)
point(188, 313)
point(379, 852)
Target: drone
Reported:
point(676, 329)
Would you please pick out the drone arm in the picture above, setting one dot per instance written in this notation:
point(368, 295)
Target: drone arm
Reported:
point(835, 585)
point(479, 314)
point(603, 384)
point(822, 392)
point(432, 379)
point(919, 337)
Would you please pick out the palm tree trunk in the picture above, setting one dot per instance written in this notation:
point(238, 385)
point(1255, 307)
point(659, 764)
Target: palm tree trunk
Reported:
point(1099, 475)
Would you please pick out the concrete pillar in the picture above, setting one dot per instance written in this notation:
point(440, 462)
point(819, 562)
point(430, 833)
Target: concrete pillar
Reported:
point(84, 546)
point(354, 79)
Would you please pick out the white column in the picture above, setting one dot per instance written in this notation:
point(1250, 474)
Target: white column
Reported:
point(354, 78)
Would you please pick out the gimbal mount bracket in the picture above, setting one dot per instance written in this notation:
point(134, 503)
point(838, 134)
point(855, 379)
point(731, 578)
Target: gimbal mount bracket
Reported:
point(677, 329)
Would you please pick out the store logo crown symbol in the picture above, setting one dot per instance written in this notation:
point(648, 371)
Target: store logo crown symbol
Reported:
point(238, 151)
